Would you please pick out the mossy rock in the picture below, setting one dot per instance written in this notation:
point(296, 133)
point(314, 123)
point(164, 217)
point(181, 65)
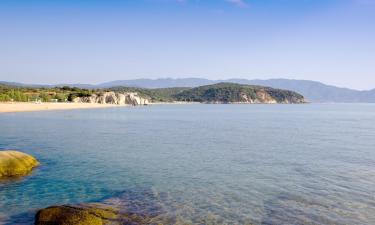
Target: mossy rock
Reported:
point(89, 214)
point(14, 163)
point(95, 214)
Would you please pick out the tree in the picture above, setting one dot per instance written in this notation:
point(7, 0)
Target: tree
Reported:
point(45, 97)
point(4, 98)
point(60, 97)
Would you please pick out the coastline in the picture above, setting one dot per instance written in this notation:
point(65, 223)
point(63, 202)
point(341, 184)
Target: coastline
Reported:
point(11, 107)
point(173, 103)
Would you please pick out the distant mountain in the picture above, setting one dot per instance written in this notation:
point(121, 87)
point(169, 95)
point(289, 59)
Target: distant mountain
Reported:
point(313, 91)
point(316, 91)
point(15, 84)
point(86, 86)
point(159, 83)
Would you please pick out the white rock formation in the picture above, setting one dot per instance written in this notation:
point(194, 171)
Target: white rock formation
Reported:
point(127, 98)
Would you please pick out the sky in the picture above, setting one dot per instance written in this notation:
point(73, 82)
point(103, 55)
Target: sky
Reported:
point(94, 41)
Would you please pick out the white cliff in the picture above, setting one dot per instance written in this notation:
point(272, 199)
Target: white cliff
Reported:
point(126, 98)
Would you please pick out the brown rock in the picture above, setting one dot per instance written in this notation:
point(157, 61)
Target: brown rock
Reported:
point(88, 214)
point(95, 214)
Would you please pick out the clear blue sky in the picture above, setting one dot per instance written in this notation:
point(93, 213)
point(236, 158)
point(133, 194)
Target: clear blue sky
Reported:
point(92, 41)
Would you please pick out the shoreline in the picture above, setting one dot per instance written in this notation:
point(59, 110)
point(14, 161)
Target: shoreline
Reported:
point(12, 107)
point(173, 103)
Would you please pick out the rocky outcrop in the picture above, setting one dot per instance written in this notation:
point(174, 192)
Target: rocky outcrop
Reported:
point(141, 207)
point(89, 213)
point(93, 214)
point(264, 96)
point(127, 98)
point(14, 163)
point(260, 97)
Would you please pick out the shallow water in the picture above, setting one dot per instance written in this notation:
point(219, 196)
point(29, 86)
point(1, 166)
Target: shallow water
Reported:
point(199, 164)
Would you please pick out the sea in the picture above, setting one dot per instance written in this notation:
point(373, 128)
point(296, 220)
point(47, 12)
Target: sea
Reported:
point(199, 163)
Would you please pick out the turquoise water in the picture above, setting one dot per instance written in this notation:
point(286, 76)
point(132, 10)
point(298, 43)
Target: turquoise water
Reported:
point(199, 164)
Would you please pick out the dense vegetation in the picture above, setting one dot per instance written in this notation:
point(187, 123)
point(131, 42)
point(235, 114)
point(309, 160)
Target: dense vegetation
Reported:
point(155, 95)
point(222, 92)
point(26, 94)
point(64, 94)
point(231, 92)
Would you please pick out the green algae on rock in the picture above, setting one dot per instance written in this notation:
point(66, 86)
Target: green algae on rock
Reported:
point(76, 215)
point(14, 163)
point(88, 213)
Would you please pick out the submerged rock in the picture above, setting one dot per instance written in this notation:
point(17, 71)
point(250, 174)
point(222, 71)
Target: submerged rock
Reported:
point(90, 213)
point(14, 163)
point(94, 214)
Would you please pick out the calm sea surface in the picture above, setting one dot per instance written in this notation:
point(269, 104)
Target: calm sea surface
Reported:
point(199, 164)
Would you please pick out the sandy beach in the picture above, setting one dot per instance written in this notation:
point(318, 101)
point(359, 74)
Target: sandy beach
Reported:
point(27, 107)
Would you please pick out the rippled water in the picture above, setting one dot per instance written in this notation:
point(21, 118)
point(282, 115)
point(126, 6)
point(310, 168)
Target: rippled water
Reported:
point(199, 164)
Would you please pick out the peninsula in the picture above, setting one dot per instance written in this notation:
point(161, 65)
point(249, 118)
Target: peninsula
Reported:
point(21, 98)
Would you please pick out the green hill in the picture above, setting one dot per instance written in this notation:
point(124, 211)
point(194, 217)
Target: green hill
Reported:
point(238, 93)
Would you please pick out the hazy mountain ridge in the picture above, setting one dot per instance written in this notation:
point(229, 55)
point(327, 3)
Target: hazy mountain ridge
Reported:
point(159, 83)
point(316, 91)
point(17, 84)
point(312, 90)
